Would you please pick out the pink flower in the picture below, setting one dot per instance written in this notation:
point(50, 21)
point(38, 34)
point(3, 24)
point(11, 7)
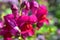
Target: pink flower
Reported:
point(30, 5)
point(25, 25)
point(10, 21)
point(39, 13)
point(32, 13)
point(42, 15)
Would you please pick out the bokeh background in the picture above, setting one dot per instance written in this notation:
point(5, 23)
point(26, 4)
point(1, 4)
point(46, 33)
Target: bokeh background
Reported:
point(47, 32)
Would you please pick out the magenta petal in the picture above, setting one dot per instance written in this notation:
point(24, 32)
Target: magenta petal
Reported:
point(24, 35)
point(27, 4)
point(27, 33)
point(31, 32)
point(14, 32)
point(44, 20)
point(43, 10)
point(9, 21)
point(39, 25)
point(24, 12)
point(8, 38)
point(33, 19)
point(26, 9)
point(14, 9)
point(47, 21)
point(1, 24)
point(34, 10)
point(22, 20)
point(34, 4)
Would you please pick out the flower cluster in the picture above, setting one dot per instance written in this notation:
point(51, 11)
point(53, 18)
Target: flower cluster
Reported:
point(31, 14)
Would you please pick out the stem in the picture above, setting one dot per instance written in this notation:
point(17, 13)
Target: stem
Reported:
point(35, 35)
point(20, 2)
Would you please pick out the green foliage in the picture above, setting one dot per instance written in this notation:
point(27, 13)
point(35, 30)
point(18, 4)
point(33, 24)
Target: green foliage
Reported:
point(8, 11)
point(58, 14)
point(1, 36)
point(43, 29)
point(30, 38)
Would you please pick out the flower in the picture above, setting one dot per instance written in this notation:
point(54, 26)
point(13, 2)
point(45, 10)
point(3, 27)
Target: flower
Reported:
point(25, 25)
point(29, 5)
point(10, 27)
point(40, 12)
point(42, 15)
point(33, 14)
point(26, 7)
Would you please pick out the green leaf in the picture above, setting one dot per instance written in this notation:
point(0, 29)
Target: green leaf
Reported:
point(1, 36)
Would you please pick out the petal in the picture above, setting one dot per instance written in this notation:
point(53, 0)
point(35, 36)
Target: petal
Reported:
point(10, 21)
point(14, 9)
point(27, 30)
point(47, 21)
point(24, 12)
point(25, 4)
point(39, 24)
point(8, 38)
point(43, 10)
point(1, 24)
point(23, 18)
point(26, 7)
point(33, 19)
point(34, 4)
point(14, 32)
